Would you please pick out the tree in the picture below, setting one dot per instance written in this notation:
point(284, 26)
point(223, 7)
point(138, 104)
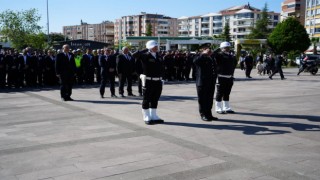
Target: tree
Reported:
point(17, 26)
point(225, 35)
point(289, 35)
point(54, 37)
point(261, 31)
point(37, 41)
point(149, 30)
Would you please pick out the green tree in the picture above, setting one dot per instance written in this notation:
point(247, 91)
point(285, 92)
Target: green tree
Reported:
point(225, 35)
point(149, 30)
point(17, 26)
point(54, 37)
point(260, 30)
point(37, 41)
point(289, 35)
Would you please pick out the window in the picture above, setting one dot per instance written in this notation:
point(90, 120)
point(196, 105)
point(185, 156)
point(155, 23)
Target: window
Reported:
point(276, 17)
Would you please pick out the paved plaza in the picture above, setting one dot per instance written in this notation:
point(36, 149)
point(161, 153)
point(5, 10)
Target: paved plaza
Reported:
point(275, 134)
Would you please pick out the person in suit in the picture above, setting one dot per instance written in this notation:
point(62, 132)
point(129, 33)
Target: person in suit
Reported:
point(65, 71)
point(248, 62)
point(152, 66)
point(205, 81)
point(3, 70)
point(125, 69)
point(50, 77)
point(107, 64)
point(279, 61)
point(87, 63)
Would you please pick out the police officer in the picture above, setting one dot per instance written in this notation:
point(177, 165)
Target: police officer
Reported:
point(205, 82)
point(152, 66)
point(226, 64)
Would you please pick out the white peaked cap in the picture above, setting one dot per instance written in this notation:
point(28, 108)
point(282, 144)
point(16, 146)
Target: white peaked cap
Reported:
point(151, 44)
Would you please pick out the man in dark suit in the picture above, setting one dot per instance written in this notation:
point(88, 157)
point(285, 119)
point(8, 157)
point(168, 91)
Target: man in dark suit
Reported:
point(50, 77)
point(87, 62)
point(279, 61)
point(3, 71)
point(107, 64)
point(65, 71)
point(125, 69)
point(205, 81)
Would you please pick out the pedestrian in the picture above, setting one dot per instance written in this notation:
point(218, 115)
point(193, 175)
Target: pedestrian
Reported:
point(248, 63)
point(65, 70)
point(205, 82)
point(226, 64)
point(152, 66)
point(279, 61)
point(107, 64)
point(125, 69)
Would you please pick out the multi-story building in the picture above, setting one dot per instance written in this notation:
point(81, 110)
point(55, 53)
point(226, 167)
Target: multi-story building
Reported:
point(295, 8)
point(103, 32)
point(312, 19)
point(136, 25)
point(240, 18)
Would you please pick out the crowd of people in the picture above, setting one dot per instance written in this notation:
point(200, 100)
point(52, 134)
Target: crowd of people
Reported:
point(210, 69)
point(33, 68)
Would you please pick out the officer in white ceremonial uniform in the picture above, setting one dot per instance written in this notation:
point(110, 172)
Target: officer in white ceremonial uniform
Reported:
point(152, 66)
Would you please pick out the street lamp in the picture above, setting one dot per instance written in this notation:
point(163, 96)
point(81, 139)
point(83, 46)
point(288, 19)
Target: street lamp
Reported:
point(48, 21)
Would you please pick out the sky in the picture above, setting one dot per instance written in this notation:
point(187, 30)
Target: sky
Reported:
point(71, 12)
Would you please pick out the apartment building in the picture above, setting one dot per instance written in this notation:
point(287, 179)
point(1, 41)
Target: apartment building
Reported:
point(312, 19)
point(103, 32)
point(240, 18)
point(136, 25)
point(295, 8)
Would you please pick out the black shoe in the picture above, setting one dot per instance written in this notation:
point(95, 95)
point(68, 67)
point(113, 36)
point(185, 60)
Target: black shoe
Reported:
point(131, 95)
point(149, 122)
point(283, 78)
point(270, 77)
point(121, 95)
point(204, 118)
point(114, 96)
point(101, 96)
point(221, 112)
point(158, 121)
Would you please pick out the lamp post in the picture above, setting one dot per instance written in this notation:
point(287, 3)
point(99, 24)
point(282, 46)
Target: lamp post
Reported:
point(48, 22)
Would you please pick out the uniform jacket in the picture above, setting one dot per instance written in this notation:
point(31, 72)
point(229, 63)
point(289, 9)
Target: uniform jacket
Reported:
point(65, 66)
point(205, 70)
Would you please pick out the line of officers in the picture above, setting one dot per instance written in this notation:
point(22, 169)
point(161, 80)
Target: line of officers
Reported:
point(36, 69)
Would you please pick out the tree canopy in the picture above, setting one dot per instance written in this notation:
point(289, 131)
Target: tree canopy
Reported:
point(19, 26)
point(260, 30)
point(149, 30)
point(289, 35)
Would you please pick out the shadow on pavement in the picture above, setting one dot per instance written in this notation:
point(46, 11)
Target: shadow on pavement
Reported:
point(295, 126)
point(106, 102)
point(306, 117)
point(248, 130)
point(177, 98)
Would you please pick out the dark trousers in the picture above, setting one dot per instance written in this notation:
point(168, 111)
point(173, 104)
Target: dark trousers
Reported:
point(104, 78)
point(2, 78)
point(151, 94)
point(122, 80)
point(205, 99)
point(224, 87)
point(248, 71)
point(187, 71)
point(89, 75)
point(98, 74)
point(278, 70)
point(40, 76)
point(66, 87)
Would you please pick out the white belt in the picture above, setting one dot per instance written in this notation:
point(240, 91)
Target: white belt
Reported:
point(154, 78)
point(225, 76)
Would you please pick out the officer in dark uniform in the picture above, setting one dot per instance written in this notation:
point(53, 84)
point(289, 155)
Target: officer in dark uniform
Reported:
point(248, 62)
point(205, 81)
point(226, 64)
point(152, 66)
point(279, 60)
point(65, 70)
